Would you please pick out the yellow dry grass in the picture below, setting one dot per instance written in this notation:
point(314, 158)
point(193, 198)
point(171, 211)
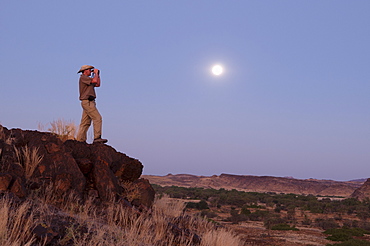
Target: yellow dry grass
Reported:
point(28, 158)
point(114, 225)
point(64, 129)
point(16, 224)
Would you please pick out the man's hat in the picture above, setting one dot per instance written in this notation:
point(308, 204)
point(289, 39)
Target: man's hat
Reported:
point(84, 67)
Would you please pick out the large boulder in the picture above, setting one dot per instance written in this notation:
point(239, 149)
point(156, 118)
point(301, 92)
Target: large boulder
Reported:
point(105, 168)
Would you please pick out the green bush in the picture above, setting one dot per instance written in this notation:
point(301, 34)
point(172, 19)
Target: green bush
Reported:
point(253, 205)
point(208, 214)
point(245, 210)
point(345, 234)
point(236, 217)
point(272, 221)
point(284, 227)
point(197, 205)
point(326, 224)
point(306, 220)
point(259, 215)
point(340, 236)
point(357, 232)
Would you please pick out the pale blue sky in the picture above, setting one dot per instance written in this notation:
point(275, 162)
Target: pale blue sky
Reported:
point(293, 101)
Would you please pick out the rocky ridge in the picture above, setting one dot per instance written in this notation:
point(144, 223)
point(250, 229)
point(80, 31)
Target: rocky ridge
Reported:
point(251, 183)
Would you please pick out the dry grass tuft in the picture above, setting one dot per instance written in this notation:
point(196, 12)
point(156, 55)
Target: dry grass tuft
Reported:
point(220, 237)
point(28, 159)
point(131, 190)
point(65, 130)
point(16, 224)
point(169, 207)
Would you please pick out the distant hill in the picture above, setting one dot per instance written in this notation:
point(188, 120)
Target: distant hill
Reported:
point(359, 180)
point(251, 183)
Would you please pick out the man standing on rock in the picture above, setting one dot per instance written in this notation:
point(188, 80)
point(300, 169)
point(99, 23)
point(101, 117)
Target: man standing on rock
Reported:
point(89, 79)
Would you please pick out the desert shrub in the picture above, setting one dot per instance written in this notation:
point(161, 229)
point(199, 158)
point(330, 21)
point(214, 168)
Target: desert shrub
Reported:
point(254, 205)
point(340, 236)
point(198, 205)
point(345, 234)
point(203, 205)
point(357, 232)
point(236, 217)
point(272, 221)
point(326, 224)
point(259, 215)
point(278, 208)
point(208, 214)
point(351, 202)
point(245, 210)
point(364, 225)
point(363, 213)
point(306, 220)
point(314, 207)
point(284, 227)
point(291, 212)
point(338, 217)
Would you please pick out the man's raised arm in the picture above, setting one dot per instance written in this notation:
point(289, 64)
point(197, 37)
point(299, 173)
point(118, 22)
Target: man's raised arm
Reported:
point(96, 79)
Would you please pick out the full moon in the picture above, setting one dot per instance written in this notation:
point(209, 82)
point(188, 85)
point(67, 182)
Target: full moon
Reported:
point(217, 70)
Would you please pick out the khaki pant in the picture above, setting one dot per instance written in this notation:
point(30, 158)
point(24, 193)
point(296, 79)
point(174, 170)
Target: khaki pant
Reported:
point(89, 113)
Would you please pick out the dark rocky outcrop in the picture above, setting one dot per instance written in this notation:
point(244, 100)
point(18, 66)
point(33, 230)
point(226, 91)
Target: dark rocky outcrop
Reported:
point(70, 167)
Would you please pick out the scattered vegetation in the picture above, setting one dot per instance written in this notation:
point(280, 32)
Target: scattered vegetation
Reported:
point(284, 227)
point(345, 234)
point(279, 211)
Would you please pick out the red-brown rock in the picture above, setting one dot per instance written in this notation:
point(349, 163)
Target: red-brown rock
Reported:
point(5, 179)
point(147, 193)
point(18, 188)
point(105, 181)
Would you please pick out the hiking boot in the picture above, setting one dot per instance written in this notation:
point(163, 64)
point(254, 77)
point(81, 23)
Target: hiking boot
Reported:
point(100, 140)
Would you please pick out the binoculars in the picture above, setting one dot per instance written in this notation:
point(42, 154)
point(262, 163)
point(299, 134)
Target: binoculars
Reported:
point(93, 74)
